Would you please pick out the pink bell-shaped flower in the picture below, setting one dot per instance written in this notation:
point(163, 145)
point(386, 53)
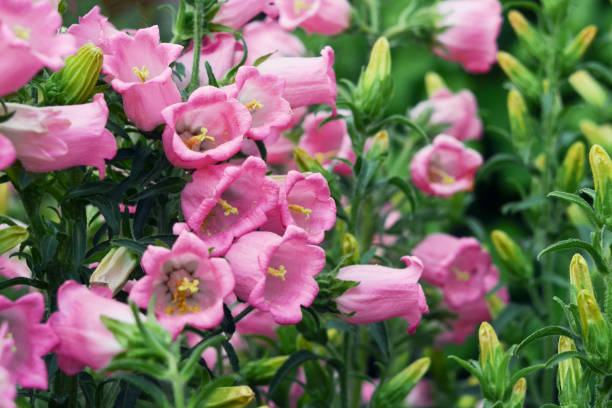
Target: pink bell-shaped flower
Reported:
point(268, 37)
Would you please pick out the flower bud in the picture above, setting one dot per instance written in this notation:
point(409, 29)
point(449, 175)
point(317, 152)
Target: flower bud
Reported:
point(580, 277)
point(487, 339)
point(589, 89)
point(350, 246)
point(393, 392)
point(380, 145)
point(590, 314)
point(11, 237)
point(517, 398)
point(601, 167)
point(525, 32)
point(601, 135)
point(495, 304)
point(520, 122)
point(596, 331)
point(375, 85)
point(303, 160)
point(433, 83)
point(572, 169)
point(519, 74)
point(570, 375)
point(74, 83)
point(231, 397)
point(261, 371)
point(114, 269)
point(512, 256)
point(576, 49)
point(577, 216)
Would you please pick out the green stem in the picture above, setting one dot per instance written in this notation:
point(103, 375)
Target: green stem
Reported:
point(198, 16)
point(344, 375)
point(178, 24)
point(374, 15)
point(178, 387)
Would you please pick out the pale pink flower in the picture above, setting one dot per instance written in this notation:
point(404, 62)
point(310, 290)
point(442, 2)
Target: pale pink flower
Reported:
point(96, 28)
point(256, 322)
point(8, 390)
point(459, 111)
point(84, 339)
point(329, 17)
point(140, 70)
point(268, 37)
point(207, 129)
point(445, 167)
point(32, 340)
point(8, 155)
point(57, 137)
point(383, 293)
point(276, 274)
point(470, 37)
point(29, 42)
point(11, 267)
point(262, 96)
point(236, 13)
point(307, 80)
point(189, 286)
point(327, 142)
point(219, 50)
point(456, 265)
point(305, 201)
point(226, 201)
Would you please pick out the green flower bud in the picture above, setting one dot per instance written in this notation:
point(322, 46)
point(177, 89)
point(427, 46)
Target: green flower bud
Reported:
point(577, 216)
point(588, 88)
point(576, 49)
point(380, 145)
point(601, 135)
point(590, 314)
point(74, 83)
point(580, 277)
point(569, 375)
point(393, 392)
point(512, 256)
point(231, 397)
point(350, 246)
point(601, 167)
point(525, 32)
point(517, 398)
point(519, 74)
point(375, 86)
point(433, 83)
point(303, 160)
point(596, 331)
point(520, 122)
point(11, 237)
point(261, 371)
point(114, 269)
point(495, 305)
point(489, 344)
point(572, 169)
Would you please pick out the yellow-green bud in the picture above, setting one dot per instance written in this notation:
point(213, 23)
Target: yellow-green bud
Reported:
point(577, 216)
point(517, 398)
point(580, 278)
point(231, 397)
point(524, 79)
point(576, 49)
point(601, 135)
point(350, 247)
point(433, 83)
point(379, 66)
point(590, 313)
point(11, 237)
point(588, 88)
point(572, 169)
point(261, 371)
point(569, 374)
point(520, 122)
point(601, 167)
point(114, 269)
point(511, 255)
point(75, 82)
point(488, 342)
point(375, 85)
point(540, 162)
point(525, 32)
point(303, 160)
point(495, 305)
point(393, 392)
point(380, 145)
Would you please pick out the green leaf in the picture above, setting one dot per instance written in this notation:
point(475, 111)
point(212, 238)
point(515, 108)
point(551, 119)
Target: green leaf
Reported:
point(11, 237)
point(579, 201)
point(381, 338)
point(261, 147)
point(574, 243)
point(525, 371)
point(170, 185)
point(188, 366)
point(147, 387)
point(406, 189)
point(23, 281)
point(293, 362)
point(402, 120)
point(471, 367)
point(544, 332)
point(211, 76)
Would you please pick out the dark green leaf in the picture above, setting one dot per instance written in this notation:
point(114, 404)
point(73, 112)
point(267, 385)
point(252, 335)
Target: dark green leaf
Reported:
point(496, 162)
point(579, 201)
point(573, 243)
point(544, 332)
point(292, 363)
point(261, 147)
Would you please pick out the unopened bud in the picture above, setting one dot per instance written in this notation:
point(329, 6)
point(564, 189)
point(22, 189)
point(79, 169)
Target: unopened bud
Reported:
point(576, 49)
point(261, 371)
point(572, 169)
point(114, 269)
point(569, 374)
point(350, 247)
point(495, 304)
point(580, 278)
point(379, 66)
point(393, 392)
point(375, 85)
point(601, 135)
point(601, 167)
point(519, 74)
point(379, 146)
point(540, 162)
point(588, 88)
point(520, 122)
point(511, 255)
point(231, 397)
point(517, 398)
point(487, 339)
point(433, 83)
point(590, 313)
point(303, 160)
point(11, 237)
point(525, 32)
point(75, 82)
point(577, 216)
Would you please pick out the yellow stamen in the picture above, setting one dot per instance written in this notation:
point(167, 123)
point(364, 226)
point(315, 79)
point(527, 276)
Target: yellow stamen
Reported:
point(461, 275)
point(183, 291)
point(254, 104)
point(229, 209)
point(199, 138)
point(279, 273)
point(440, 175)
point(186, 285)
point(299, 5)
point(22, 32)
point(142, 73)
point(300, 209)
